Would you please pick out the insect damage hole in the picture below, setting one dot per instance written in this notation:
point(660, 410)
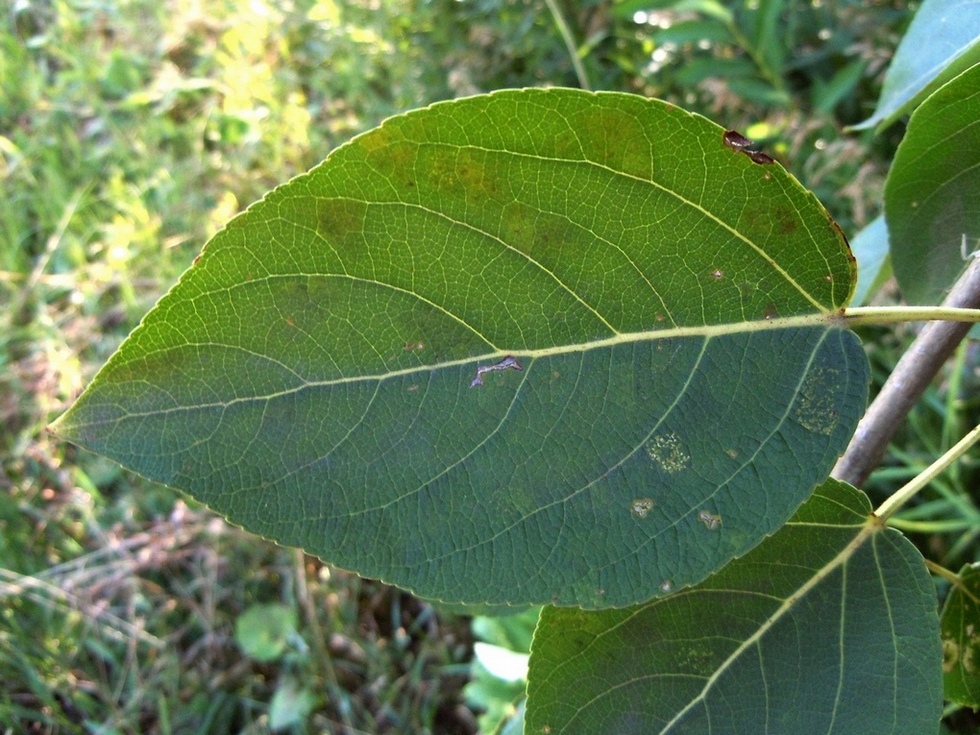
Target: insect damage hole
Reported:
point(710, 521)
point(641, 506)
point(509, 362)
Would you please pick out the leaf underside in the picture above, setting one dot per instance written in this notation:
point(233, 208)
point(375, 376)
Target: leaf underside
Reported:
point(829, 626)
point(932, 195)
point(668, 304)
point(941, 42)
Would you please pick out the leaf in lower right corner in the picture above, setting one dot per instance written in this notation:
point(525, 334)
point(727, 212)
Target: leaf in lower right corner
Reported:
point(828, 626)
point(960, 624)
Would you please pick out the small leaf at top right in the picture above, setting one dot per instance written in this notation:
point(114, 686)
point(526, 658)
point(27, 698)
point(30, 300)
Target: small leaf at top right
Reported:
point(960, 627)
point(942, 41)
point(932, 195)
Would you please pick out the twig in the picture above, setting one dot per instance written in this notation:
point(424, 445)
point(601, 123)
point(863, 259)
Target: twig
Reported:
point(907, 382)
point(895, 501)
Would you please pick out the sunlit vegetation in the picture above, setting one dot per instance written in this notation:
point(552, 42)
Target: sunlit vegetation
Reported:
point(130, 132)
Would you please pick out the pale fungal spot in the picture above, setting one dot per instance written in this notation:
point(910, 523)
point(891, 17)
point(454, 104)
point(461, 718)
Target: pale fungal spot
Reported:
point(668, 452)
point(732, 453)
point(951, 654)
point(717, 273)
point(815, 408)
point(969, 658)
point(711, 522)
point(641, 506)
point(412, 388)
point(415, 346)
point(666, 586)
point(507, 362)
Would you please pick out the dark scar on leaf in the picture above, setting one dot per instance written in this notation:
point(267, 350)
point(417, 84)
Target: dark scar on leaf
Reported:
point(507, 362)
point(739, 143)
point(760, 157)
point(736, 141)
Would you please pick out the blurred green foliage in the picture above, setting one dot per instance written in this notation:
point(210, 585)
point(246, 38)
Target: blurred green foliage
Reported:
point(131, 130)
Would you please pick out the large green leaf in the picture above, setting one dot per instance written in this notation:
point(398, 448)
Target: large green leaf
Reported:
point(672, 304)
point(932, 195)
point(942, 41)
point(829, 626)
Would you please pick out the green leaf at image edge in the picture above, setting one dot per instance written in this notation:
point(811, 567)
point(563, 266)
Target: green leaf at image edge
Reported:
point(932, 194)
point(960, 623)
point(671, 304)
point(942, 41)
point(829, 626)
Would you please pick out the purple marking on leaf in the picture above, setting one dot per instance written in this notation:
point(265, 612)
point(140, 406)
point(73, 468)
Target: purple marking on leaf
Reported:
point(508, 362)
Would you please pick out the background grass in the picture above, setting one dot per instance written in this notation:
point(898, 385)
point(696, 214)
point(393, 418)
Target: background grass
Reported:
point(131, 130)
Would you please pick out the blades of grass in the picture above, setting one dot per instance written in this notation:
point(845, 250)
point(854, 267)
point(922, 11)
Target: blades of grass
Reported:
point(53, 597)
point(321, 653)
point(566, 35)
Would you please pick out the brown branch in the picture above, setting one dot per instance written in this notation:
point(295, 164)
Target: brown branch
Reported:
point(908, 381)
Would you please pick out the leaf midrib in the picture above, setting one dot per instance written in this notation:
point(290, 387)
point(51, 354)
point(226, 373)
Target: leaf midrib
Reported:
point(869, 528)
point(708, 331)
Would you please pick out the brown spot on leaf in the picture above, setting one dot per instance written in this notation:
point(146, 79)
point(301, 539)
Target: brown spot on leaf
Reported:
point(786, 224)
point(631, 153)
point(838, 231)
point(338, 219)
